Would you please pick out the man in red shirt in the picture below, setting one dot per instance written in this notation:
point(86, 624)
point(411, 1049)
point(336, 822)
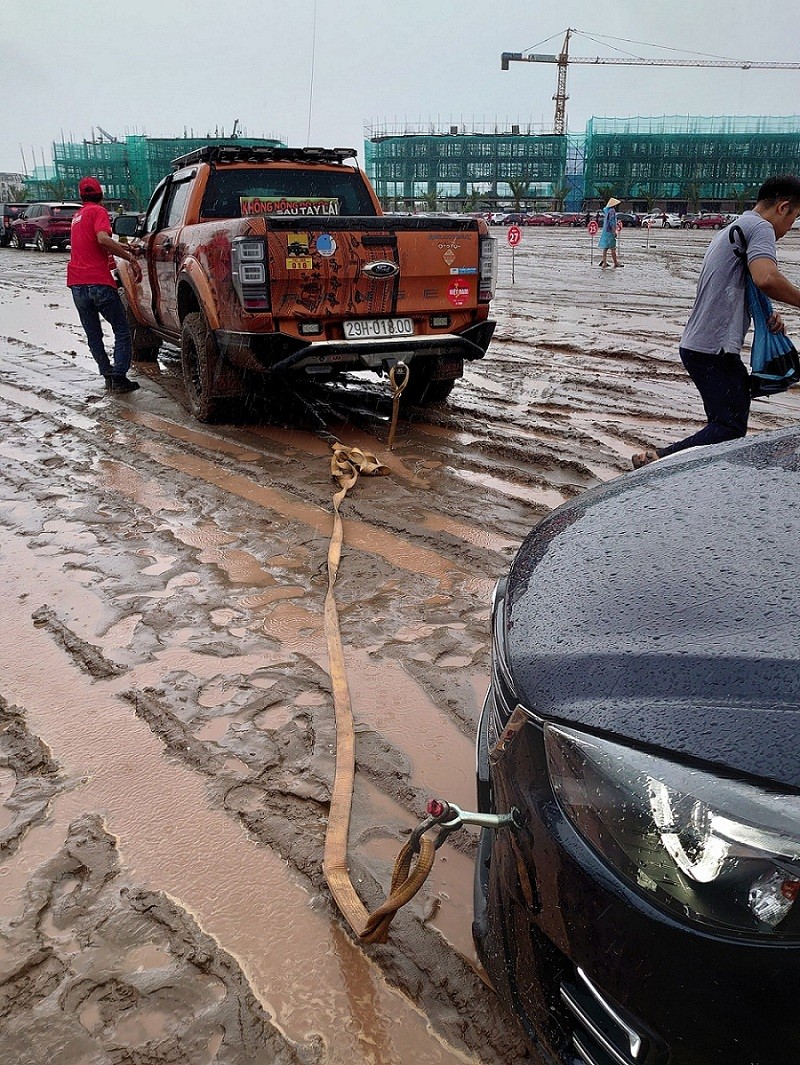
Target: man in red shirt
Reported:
point(94, 290)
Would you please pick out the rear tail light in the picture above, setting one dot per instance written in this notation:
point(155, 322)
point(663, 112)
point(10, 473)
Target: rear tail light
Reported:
point(249, 273)
point(488, 269)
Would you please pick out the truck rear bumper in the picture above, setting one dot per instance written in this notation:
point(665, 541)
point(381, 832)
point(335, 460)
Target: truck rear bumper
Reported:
point(269, 353)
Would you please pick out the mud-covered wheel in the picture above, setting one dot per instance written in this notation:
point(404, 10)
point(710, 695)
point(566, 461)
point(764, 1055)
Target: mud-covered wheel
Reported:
point(40, 243)
point(422, 390)
point(15, 242)
point(199, 362)
point(145, 344)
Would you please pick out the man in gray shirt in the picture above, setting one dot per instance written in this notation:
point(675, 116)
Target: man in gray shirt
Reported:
point(712, 340)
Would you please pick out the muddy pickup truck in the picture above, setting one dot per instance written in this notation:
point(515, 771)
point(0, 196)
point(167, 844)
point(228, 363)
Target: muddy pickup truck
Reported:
point(271, 264)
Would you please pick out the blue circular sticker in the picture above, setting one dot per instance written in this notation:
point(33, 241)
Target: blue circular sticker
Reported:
point(326, 245)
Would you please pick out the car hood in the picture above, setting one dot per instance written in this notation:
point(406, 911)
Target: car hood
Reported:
point(664, 608)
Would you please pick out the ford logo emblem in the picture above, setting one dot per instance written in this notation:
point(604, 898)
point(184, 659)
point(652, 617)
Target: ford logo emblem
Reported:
point(382, 269)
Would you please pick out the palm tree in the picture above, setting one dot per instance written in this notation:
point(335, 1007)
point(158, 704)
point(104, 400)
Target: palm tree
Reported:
point(691, 190)
point(471, 200)
point(642, 192)
point(57, 187)
point(741, 193)
point(605, 192)
point(17, 194)
point(431, 199)
point(519, 192)
point(560, 194)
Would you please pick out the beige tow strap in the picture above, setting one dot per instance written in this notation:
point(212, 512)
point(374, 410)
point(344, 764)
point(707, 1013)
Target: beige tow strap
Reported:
point(346, 465)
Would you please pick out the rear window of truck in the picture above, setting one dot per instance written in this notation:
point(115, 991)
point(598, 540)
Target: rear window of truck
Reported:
point(285, 193)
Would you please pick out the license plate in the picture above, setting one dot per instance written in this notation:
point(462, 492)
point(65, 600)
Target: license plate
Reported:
point(375, 328)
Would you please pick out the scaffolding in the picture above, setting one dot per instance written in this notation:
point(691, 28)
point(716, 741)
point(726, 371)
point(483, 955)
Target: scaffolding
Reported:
point(690, 162)
point(461, 167)
point(128, 170)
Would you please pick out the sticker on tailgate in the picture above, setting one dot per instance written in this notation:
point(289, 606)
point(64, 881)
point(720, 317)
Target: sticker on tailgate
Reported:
point(310, 206)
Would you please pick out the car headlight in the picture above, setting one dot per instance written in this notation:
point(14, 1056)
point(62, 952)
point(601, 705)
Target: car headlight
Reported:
point(714, 849)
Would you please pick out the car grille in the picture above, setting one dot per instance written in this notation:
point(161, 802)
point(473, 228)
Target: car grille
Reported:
point(599, 1035)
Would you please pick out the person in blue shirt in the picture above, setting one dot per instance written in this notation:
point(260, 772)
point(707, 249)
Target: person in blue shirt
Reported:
point(608, 234)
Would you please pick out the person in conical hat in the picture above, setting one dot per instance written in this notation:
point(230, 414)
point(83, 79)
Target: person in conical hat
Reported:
point(608, 234)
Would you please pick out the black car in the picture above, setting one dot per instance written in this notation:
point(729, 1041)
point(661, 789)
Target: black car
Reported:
point(628, 218)
point(8, 212)
point(643, 722)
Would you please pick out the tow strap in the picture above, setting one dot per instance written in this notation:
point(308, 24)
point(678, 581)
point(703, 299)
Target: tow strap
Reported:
point(416, 857)
point(409, 875)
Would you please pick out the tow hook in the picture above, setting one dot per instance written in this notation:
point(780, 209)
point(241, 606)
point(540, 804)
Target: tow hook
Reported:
point(448, 818)
point(399, 376)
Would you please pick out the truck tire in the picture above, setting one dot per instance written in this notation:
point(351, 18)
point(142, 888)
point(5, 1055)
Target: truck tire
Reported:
point(145, 344)
point(199, 360)
point(422, 390)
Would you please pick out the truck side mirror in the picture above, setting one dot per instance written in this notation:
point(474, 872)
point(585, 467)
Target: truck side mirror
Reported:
point(126, 225)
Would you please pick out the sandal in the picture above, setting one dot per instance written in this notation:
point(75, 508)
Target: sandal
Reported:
point(644, 459)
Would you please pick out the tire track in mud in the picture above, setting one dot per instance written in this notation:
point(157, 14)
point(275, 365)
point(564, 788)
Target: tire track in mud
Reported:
point(459, 980)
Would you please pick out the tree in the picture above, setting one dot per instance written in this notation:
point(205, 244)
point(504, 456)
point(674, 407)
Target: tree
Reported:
point(605, 192)
point(431, 199)
point(471, 200)
point(17, 194)
point(55, 189)
point(519, 192)
point(642, 192)
point(691, 190)
point(741, 193)
point(560, 193)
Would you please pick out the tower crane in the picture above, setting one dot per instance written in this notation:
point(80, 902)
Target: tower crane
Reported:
point(563, 59)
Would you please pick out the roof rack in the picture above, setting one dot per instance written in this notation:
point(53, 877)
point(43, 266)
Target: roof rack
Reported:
point(244, 153)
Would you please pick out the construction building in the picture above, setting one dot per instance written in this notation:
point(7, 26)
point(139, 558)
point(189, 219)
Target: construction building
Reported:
point(128, 170)
point(482, 164)
point(679, 162)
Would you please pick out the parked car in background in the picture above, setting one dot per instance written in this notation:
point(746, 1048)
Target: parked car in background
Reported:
point(570, 218)
point(45, 225)
point(642, 720)
point(656, 219)
point(628, 218)
point(515, 218)
point(8, 213)
point(540, 218)
point(707, 220)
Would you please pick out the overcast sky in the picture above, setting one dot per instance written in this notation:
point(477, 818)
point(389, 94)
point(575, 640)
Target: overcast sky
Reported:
point(159, 66)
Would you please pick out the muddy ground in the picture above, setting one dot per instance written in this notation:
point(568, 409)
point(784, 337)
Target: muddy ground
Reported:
point(166, 730)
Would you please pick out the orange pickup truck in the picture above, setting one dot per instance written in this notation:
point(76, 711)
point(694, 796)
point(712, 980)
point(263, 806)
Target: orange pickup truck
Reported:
point(268, 262)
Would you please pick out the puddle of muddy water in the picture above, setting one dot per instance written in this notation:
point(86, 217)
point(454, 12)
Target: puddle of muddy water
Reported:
point(311, 977)
point(387, 699)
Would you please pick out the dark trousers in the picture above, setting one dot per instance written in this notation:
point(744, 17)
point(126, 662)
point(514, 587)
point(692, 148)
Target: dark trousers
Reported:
point(92, 301)
point(722, 383)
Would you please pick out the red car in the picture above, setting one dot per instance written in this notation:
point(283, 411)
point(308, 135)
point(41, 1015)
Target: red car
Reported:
point(708, 221)
point(540, 220)
point(8, 212)
point(45, 225)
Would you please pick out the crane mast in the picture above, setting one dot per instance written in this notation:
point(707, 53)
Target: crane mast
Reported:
point(563, 59)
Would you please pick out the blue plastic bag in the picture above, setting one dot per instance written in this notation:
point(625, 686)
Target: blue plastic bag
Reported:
point(774, 362)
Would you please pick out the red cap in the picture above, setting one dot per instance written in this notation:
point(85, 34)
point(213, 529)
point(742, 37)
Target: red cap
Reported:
point(89, 186)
